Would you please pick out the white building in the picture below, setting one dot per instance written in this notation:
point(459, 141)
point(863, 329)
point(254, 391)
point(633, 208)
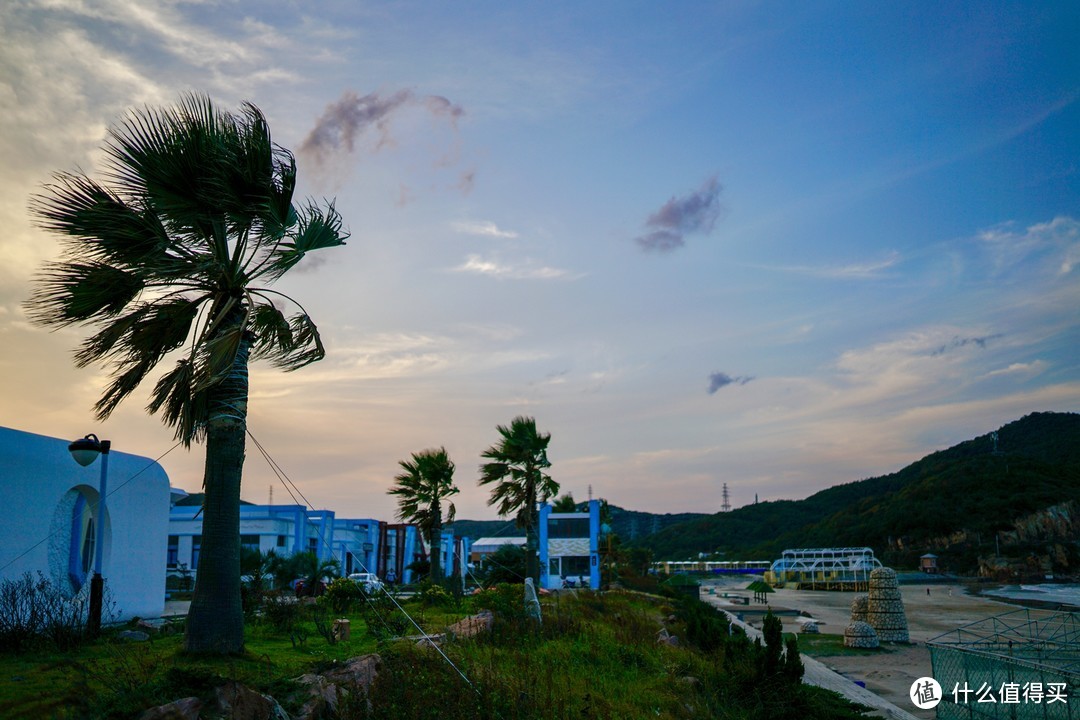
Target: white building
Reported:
point(50, 526)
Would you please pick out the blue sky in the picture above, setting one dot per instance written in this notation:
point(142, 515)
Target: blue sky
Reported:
point(781, 246)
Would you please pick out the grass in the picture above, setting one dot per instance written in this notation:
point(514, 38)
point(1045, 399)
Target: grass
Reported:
point(826, 645)
point(593, 656)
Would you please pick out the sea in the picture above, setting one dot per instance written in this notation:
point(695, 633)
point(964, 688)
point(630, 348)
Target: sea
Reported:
point(1053, 593)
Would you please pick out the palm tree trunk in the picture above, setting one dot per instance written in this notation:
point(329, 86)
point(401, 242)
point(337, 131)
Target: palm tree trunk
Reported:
point(436, 552)
point(215, 622)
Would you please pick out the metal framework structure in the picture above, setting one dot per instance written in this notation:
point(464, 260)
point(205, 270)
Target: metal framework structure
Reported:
point(1021, 664)
point(845, 568)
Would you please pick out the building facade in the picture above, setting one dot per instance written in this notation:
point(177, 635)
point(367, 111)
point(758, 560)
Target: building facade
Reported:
point(569, 547)
point(54, 514)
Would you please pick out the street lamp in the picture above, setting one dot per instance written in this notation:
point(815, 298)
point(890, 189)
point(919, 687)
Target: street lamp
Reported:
point(85, 451)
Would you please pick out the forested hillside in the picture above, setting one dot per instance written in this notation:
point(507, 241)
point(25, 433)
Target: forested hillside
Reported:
point(948, 501)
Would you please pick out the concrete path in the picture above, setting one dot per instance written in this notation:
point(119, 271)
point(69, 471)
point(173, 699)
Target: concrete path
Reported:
point(823, 677)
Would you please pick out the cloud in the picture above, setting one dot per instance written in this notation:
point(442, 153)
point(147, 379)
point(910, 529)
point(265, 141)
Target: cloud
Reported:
point(1053, 247)
point(347, 121)
point(959, 342)
point(719, 380)
point(477, 265)
point(483, 228)
point(853, 271)
point(1035, 367)
point(678, 217)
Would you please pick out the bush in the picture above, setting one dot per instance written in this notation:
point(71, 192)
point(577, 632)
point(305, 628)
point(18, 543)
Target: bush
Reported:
point(432, 595)
point(34, 612)
point(341, 595)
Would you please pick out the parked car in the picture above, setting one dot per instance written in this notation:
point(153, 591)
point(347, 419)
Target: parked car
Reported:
point(370, 582)
point(300, 586)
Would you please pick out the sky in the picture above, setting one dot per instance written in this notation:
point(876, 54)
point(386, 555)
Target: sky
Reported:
point(780, 246)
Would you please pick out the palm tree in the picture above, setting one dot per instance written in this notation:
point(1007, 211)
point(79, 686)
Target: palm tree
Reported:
point(517, 469)
point(565, 504)
point(427, 480)
point(170, 256)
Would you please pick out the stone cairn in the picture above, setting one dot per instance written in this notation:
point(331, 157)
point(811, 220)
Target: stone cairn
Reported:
point(885, 608)
point(859, 607)
point(859, 634)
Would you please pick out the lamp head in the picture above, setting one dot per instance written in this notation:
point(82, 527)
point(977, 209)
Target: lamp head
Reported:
point(85, 450)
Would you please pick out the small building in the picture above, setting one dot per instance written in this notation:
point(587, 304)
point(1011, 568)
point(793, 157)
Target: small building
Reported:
point(283, 529)
point(53, 515)
point(487, 546)
point(356, 544)
point(842, 568)
point(569, 547)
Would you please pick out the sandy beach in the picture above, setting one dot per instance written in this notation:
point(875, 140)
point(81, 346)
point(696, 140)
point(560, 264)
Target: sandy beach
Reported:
point(889, 675)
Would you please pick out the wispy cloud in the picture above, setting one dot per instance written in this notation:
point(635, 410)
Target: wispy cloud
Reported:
point(1053, 246)
point(719, 380)
point(348, 120)
point(483, 228)
point(695, 213)
point(959, 342)
point(477, 265)
point(852, 271)
point(1035, 367)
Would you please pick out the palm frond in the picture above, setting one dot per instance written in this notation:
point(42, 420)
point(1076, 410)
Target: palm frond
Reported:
point(307, 346)
point(102, 344)
point(316, 229)
point(124, 381)
point(182, 406)
point(75, 292)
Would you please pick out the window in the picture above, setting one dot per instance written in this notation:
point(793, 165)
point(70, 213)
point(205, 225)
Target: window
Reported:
point(173, 555)
point(575, 565)
point(281, 541)
point(553, 566)
point(313, 545)
point(249, 542)
point(568, 527)
point(196, 545)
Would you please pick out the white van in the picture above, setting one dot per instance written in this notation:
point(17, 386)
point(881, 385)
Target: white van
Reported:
point(370, 582)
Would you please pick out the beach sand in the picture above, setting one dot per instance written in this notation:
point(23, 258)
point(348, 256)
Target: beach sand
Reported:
point(888, 675)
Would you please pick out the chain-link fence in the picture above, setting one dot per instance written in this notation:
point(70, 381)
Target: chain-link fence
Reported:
point(1013, 666)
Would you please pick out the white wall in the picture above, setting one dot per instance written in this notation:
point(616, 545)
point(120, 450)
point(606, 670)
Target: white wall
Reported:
point(39, 482)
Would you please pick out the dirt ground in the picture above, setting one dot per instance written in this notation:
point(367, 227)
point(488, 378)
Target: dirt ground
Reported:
point(889, 675)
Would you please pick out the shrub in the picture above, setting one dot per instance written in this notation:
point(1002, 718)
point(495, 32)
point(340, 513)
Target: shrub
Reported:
point(34, 611)
point(432, 595)
point(341, 595)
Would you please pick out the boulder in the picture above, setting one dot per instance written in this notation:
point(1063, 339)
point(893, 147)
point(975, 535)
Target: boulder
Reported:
point(183, 709)
point(238, 702)
point(326, 691)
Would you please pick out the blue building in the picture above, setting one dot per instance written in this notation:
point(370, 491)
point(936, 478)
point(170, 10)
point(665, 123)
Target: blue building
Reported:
point(570, 547)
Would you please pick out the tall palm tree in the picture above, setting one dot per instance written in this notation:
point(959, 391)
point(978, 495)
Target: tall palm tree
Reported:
point(427, 480)
point(170, 256)
point(517, 467)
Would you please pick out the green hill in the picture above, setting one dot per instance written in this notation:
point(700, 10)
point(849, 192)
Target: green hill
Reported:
point(956, 501)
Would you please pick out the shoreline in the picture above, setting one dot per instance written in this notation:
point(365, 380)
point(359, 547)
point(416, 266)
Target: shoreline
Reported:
point(931, 611)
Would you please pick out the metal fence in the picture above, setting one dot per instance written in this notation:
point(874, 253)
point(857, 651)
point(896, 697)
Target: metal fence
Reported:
point(1013, 666)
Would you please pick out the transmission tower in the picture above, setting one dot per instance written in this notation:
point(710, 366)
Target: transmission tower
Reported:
point(726, 505)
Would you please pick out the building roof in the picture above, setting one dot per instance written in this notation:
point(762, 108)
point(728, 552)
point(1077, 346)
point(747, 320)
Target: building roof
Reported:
point(497, 541)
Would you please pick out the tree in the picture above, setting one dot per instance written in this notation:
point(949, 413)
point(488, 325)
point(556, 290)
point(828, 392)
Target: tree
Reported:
point(171, 257)
point(427, 480)
point(517, 473)
point(565, 504)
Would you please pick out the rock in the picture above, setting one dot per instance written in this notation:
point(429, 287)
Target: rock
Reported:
point(472, 626)
point(326, 691)
point(183, 709)
point(665, 638)
point(133, 635)
point(238, 702)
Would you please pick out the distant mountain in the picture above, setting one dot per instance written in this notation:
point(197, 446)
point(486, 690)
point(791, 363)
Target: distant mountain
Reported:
point(627, 524)
point(955, 500)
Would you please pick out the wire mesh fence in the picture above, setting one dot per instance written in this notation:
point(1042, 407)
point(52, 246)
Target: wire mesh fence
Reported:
point(1013, 666)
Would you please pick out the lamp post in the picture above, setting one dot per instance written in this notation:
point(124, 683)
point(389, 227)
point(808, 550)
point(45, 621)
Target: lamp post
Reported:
point(85, 451)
